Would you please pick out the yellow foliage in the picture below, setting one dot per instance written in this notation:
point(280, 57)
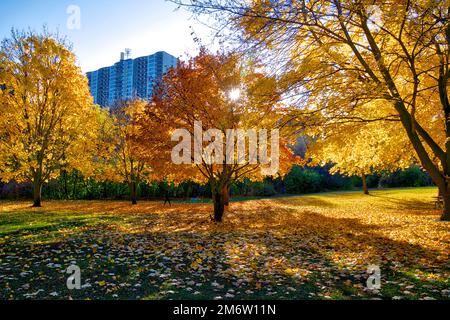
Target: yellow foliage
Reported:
point(48, 122)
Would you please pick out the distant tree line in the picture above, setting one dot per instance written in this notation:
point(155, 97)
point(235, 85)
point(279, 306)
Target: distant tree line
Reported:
point(300, 180)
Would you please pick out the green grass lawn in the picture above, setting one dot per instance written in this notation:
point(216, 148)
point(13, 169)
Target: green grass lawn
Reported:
point(306, 247)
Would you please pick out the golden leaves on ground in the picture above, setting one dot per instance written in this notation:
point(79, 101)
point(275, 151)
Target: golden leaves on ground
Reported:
point(310, 247)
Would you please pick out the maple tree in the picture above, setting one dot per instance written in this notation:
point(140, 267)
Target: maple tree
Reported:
point(47, 122)
point(201, 91)
point(360, 148)
point(339, 56)
point(120, 157)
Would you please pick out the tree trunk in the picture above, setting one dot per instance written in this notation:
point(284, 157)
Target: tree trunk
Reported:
point(66, 190)
point(226, 195)
point(133, 192)
point(37, 188)
point(189, 191)
point(445, 194)
point(105, 192)
point(219, 205)
point(364, 183)
point(74, 189)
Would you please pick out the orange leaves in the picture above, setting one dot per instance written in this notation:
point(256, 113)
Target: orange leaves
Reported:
point(198, 91)
point(316, 246)
point(128, 150)
point(196, 263)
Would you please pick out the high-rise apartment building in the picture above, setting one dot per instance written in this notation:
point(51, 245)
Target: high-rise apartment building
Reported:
point(129, 78)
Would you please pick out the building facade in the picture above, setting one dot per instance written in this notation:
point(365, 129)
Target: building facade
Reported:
point(129, 78)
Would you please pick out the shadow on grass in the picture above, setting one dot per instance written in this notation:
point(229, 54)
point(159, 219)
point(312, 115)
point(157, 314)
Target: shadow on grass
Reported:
point(262, 251)
point(405, 204)
point(309, 200)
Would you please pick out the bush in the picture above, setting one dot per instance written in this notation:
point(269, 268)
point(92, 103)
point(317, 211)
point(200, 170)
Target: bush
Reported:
point(262, 189)
point(303, 180)
point(412, 177)
point(373, 181)
point(269, 190)
point(14, 190)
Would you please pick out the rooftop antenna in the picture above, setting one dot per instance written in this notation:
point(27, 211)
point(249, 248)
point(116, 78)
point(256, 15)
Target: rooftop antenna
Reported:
point(128, 53)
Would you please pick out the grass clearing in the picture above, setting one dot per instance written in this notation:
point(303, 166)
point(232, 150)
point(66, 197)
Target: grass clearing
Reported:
point(307, 247)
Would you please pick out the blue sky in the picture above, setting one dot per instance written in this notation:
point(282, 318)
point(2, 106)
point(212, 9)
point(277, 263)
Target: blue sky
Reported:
point(107, 27)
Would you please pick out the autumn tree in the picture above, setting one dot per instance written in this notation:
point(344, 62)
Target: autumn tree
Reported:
point(207, 97)
point(120, 157)
point(47, 119)
point(360, 148)
point(336, 56)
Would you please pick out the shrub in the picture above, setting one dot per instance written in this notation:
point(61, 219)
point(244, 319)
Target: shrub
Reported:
point(411, 177)
point(303, 180)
